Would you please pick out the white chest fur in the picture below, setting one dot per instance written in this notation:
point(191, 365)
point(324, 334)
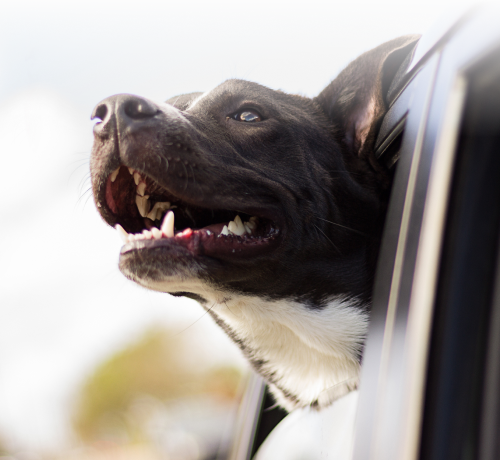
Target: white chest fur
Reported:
point(308, 356)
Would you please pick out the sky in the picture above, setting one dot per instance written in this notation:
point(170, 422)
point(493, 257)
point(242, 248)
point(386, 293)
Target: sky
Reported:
point(64, 306)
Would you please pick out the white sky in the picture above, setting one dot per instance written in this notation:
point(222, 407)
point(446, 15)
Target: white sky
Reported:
point(64, 306)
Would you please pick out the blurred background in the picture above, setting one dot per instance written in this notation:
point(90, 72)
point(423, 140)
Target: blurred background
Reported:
point(92, 366)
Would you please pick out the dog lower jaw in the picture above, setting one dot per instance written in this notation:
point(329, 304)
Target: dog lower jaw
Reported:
point(309, 357)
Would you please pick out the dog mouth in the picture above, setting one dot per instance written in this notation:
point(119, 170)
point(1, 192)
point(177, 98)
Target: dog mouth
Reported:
point(147, 215)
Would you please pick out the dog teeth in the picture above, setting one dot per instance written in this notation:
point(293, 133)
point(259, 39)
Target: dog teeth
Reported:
point(143, 204)
point(114, 174)
point(236, 226)
point(141, 189)
point(152, 214)
point(250, 225)
point(123, 234)
point(131, 170)
point(158, 210)
point(137, 178)
point(167, 227)
point(156, 233)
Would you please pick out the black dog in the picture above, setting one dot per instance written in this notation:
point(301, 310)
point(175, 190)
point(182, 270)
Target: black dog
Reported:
point(265, 207)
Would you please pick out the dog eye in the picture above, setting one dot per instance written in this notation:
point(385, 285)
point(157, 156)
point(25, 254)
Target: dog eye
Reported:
point(247, 116)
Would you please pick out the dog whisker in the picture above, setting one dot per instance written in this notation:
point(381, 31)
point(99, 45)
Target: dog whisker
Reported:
point(88, 198)
point(83, 161)
point(324, 234)
point(343, 226)
point(194, 322)
point(83, 195)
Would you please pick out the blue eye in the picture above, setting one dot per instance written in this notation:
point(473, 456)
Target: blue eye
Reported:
point(248, 116)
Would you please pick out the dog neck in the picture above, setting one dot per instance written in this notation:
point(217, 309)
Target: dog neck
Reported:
point(309, 357)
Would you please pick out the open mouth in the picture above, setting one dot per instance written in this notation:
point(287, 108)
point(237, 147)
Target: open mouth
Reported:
point(145, 212)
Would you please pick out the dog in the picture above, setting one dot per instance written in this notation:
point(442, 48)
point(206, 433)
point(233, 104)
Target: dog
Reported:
point(265, 207)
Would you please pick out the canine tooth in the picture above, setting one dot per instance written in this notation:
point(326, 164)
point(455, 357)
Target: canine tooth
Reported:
point(141, 188)
point(225, 230)
point(131, 171)
point(167, 227)
point(143, 204)
point(123, 234)
point(137, 178)
point(156, 233)
point(114, 174)
point(236, 226)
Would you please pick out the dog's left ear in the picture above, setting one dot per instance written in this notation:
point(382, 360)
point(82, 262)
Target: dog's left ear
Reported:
point(355, 100)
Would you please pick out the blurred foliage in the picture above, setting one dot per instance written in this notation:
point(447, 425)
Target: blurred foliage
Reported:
point(154, 367)
point(3, 448)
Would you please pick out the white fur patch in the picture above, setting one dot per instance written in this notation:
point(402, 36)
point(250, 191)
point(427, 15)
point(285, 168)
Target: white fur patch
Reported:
point(310, 356)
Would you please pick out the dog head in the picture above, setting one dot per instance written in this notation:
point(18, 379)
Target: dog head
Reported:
point(300, 174)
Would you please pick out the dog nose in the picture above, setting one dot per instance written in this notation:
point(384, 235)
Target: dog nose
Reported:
point(124, 109)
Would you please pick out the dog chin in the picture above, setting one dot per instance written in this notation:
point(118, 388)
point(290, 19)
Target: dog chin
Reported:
point(160, 268)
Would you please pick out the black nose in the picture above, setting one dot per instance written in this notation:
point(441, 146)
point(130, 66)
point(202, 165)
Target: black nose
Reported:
point(122, 109)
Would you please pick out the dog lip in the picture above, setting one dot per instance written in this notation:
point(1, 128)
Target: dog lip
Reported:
point(203, 243)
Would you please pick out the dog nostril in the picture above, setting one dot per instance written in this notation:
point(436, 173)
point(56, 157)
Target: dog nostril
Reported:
point(100, 112)
point(139, 108)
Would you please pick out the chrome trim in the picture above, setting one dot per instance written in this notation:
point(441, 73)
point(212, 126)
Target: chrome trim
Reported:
point(426, 270)
point(248, 418)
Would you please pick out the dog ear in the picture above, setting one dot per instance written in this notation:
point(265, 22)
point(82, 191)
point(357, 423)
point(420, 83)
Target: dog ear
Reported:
point(356, 100)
